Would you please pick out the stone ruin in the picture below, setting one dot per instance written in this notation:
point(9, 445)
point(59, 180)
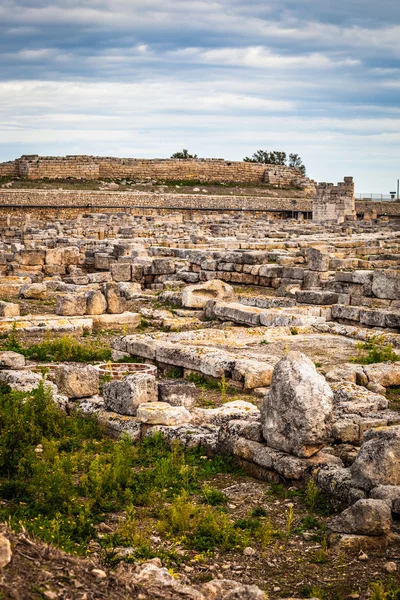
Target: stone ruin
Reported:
point(274, 308)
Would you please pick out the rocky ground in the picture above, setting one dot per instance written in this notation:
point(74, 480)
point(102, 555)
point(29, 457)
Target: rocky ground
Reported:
point(265, 355)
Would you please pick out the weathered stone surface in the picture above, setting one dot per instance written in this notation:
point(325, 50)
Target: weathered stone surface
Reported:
point(124, 396)
point(297, 411)
point(77, 381)
point(238, 409)
point(225, 589)
point(336, 484)
point(317, 260)
point(71, 305)
point(115, 303)
point(162, 413)
point(5, 552)
point(385, 374)
point(365, 517)
point(355, 399)
point(177, 392)
point(386, 284)
point(9, 309)
point(34, 291)
point(96, 303)
point(255, 373)
point(378, 461)
point(128, 319)
point(196, 296)
point(11, 360)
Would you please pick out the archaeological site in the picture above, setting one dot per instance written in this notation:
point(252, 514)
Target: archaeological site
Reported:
point(199, 382)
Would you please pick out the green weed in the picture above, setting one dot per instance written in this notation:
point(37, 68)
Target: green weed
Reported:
point(374, 351)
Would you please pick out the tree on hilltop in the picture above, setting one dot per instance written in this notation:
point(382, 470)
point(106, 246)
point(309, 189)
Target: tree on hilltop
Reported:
point(184, 155)
point(277, 158)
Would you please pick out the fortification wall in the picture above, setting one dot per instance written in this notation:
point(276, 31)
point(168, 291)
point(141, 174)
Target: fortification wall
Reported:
point(8, 169)
point(202, 170)
point(334, 203)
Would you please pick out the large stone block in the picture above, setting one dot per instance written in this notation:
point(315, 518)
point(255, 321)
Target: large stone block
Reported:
point(9, 309)
point(71, 305)
point(386, 284)
point(297, 411)
point(77, 381)
point(378, 461)
point(177, 392)
point(124, 396)
point(161, 413)
point(196, 296)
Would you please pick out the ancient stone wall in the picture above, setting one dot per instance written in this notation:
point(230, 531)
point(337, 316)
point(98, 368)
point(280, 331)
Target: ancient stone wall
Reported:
point(8, 169)
point(335, 203)
point(202, 170)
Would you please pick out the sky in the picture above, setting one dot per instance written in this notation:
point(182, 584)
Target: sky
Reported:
point(222, 78)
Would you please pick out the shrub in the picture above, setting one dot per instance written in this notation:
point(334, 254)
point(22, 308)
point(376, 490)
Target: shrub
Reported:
point(374, 351)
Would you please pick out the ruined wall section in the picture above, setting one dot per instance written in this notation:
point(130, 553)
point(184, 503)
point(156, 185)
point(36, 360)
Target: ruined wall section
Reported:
point(202, 170)
point(335, 203)
point(8, 169)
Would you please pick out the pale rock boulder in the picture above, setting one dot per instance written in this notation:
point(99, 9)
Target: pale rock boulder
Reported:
point(162, 413)
point(197, 296)
point(11, 360)
point(378, 460)
point(9, 309)
point(227, 589)
point(366, 517)
point(77, 381)
point(34, 291)
point(5, 551)
point(96, 303)
point(124, 396)
point(297, 412)
point(384, 374)
point(69, 305)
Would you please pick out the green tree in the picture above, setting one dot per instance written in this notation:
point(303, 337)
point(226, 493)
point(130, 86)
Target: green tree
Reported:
point(183, 155)
point(277, 157)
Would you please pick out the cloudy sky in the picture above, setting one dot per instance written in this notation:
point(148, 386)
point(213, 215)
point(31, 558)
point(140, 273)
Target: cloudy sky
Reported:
point(222, 78)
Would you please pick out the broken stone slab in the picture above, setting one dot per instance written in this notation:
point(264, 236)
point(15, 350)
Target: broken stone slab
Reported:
point(9, 309)
point(238, 409)
point(34, 291)
point(316, 297)
point(126, 319)
point(77, 381)
point(11, 360)
point(317, 259)
point(162, 413)
point(366, 517)
point(254, 373)
point(189, 435)
point(286, 465)
point(297, 412)
point(351, 398)
point(177, 392)
point(124, 396)
point(378, 460)
point(197, 296)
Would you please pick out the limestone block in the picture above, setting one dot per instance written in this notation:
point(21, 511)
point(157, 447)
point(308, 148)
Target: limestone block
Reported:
point(238, 409)
point(11, 360)
point(177, 392)
point(365, 517)
point(115, 303)
point(386, 284)
point(297, 411)
point(316, 297)
point(378, 461)
point(126, 319)
point(71, 305)
point(121, 271)
point(96, 303)
point(162, 413)
point(77, 381)
point(317, 260)
point(9, 309)
point(34, 291)
point(196, 296)
point(124, 396)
